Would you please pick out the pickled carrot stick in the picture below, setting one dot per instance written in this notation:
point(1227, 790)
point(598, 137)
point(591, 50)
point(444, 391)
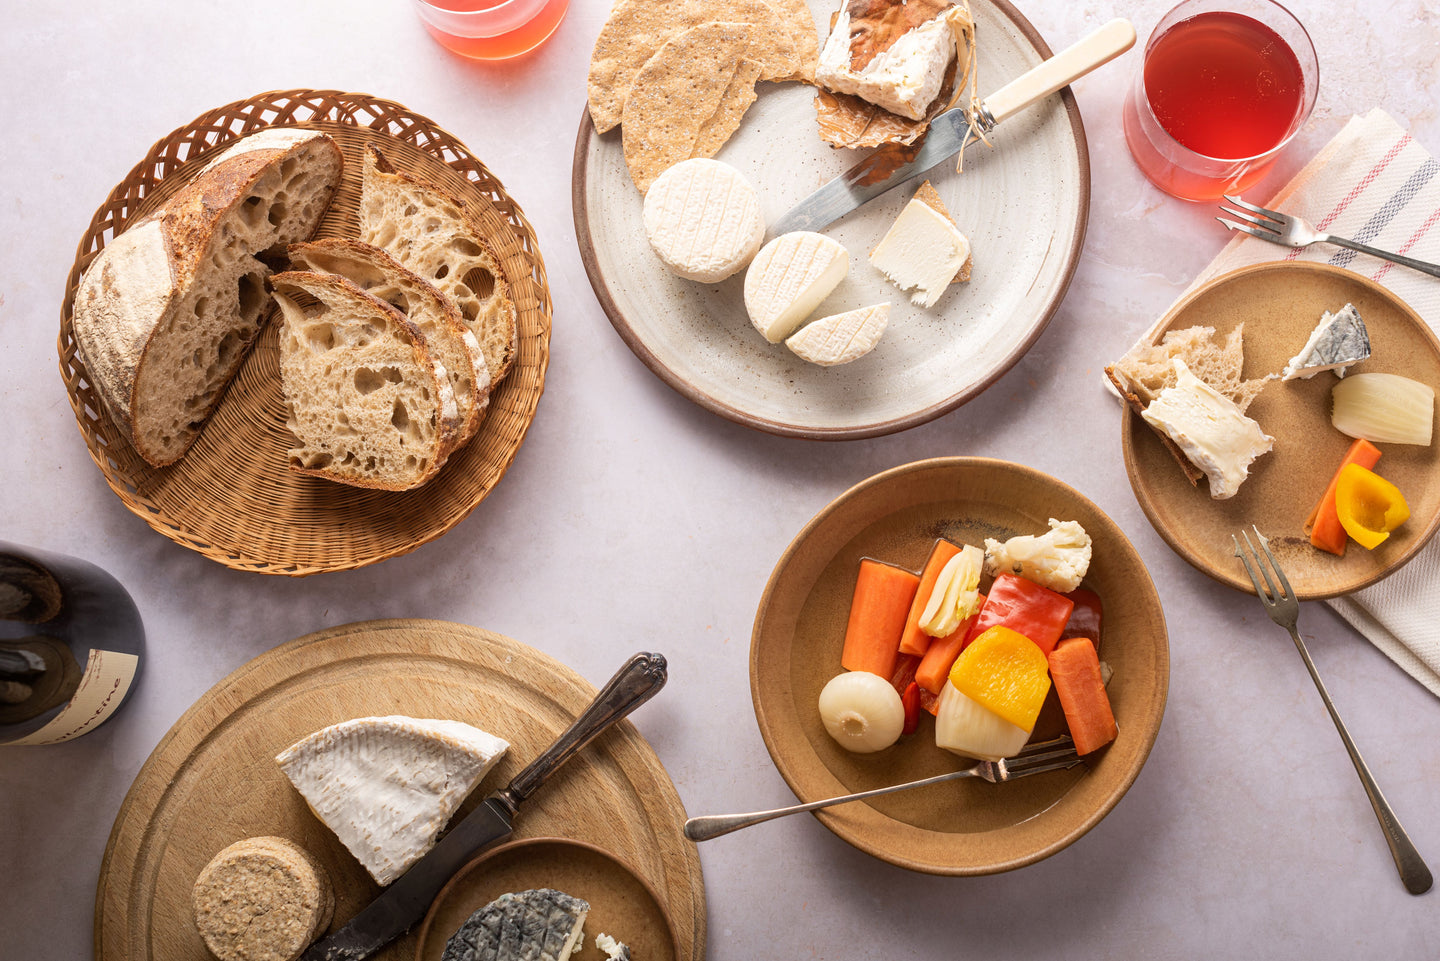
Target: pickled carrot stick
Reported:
point(913, 640)
point(934, 667)
point(878, 609)
point(1075, 672)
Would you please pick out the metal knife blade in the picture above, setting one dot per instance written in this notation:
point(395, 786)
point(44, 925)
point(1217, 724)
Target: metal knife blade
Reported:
point(892, 165)
point(406, 901)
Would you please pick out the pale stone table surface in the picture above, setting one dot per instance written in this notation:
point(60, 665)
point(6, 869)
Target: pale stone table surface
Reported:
point(633, 519)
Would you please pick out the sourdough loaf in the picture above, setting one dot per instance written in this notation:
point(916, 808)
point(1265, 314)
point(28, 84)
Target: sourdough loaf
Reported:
point(166, 312)
point(454, 346)
point(435, 234)
point(370, 405)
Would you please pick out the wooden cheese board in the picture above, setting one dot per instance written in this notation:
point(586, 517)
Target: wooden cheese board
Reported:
point(213, 780)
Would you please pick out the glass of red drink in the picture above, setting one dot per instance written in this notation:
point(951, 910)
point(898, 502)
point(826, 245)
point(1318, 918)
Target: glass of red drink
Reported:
point(491, 29)
point(1224, 87)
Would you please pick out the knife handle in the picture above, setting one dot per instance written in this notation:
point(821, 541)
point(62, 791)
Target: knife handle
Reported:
point(634, 684)
point(1068, 65)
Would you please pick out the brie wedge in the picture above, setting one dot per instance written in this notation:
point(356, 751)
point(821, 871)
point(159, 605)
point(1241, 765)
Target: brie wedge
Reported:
point(788, 278)
point(1339, 340)
point(1209, 429)
point(703, 219)
point(903, 79)
point(922, 251)
point(840, 338)
point(387, 785)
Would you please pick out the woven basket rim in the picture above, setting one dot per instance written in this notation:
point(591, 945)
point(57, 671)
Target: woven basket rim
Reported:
point(147, 491)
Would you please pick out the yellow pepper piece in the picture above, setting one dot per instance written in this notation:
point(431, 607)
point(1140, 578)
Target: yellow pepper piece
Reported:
point(1005, 672)
point(1369, 506)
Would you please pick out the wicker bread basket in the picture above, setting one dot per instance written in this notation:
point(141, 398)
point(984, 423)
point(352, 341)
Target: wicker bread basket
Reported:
point(232, 497)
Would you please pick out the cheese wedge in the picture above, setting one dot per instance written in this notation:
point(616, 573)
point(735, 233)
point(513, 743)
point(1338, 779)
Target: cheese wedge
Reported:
point(387, 785)
point(922, 251)
point(540, 924)
point(1338, 341)
point(903, 78)
point(702, 217)
point(840, 338)
point(789, 277)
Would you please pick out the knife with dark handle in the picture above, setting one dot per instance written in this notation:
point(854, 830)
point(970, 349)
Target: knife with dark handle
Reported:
point(894, 164)
point(403, 903)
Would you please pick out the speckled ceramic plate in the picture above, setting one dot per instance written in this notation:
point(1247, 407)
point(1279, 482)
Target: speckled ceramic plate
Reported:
point(1023, 205)
point(621, 904)
point(967, 827)
point(1279, 303)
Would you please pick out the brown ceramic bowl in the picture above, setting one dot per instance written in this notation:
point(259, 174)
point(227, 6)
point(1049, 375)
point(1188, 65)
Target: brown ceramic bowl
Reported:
point(622, 904)
point(968, 827)
point(1280, 303)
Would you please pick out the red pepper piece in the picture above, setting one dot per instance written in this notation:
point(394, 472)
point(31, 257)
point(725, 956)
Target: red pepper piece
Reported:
point(910, 700)
point(1024, 606)
point(1085, 619)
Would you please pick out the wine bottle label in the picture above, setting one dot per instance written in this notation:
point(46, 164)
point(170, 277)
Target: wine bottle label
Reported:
point(107, 678)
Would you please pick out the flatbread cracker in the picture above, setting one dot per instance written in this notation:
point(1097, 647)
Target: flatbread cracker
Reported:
point(675, 93)
point(637, 29)
point(797, 16)
point(738, 97)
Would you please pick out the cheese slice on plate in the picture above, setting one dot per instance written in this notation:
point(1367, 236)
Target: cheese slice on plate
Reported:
point(541, 924)
point(840, 338)
point(703, 218)
point(789, 277)
point(1209, 429)
point(1339, 340)
point(903, 78)
point(387, 785)
point(923, 250)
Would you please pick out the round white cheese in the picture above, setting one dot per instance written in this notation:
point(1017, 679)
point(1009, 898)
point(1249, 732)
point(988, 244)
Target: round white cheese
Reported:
point(703, 219)
point(789, 277)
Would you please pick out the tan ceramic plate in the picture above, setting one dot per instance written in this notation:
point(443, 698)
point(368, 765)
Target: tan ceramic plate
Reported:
point(1279, 304)
point(621, 904)
point(969, 827)
point(1023, 204)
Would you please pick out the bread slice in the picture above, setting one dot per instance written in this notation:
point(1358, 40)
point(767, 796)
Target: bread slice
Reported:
point(434, 234)
point(454, 346)
point(367, 401)
point(1148, 369)
point(167, 311)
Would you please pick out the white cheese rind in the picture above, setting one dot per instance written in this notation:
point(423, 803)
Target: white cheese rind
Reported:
point(840, 338)
point(702, 217)
point(1337, 342)
point(903, 79)
point(1209, 429)
point(387, 785)
point(922, 251)
point(788, 278)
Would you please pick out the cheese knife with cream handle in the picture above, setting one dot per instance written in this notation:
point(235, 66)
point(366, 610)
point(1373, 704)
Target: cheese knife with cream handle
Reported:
point(893, 164)
point(403, 903)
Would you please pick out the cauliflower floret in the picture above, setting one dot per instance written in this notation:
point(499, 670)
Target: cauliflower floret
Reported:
point(1057, 559)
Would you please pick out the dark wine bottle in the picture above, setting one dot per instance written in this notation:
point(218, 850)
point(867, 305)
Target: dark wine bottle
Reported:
point(71, 642)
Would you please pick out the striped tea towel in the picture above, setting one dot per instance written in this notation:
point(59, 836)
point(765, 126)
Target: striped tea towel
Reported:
point(1375, 185)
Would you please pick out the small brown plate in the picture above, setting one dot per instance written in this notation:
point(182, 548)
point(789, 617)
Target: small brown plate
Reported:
point(622, 904)
point(1279, 303)
point(968, 827)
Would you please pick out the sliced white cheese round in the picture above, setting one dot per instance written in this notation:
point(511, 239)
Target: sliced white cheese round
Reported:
point(789, 277)
point(840, 338)
point(703, 218)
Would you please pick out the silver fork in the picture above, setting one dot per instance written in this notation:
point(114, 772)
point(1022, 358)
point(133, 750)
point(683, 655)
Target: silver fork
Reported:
point(1291, 231)
point(1284, 609)
point(1044, 756)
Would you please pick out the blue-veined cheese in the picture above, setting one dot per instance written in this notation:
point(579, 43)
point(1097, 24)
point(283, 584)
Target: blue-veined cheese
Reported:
point(702, 217)
point(387, 785)
point(537, 925)
point(1339, 340)
point(789, 277)
point(840, 338)
point(903, 79)
point(1209, 429)
point(922, 251)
